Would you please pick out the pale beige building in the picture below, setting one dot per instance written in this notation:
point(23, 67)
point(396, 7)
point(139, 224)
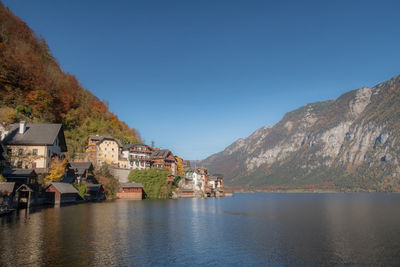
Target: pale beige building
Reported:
point(103, 149)
point(32, 145)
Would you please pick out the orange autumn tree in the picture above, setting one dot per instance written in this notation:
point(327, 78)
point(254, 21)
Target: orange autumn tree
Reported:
point(34, 88)
point(56, 171)
point(179, 165)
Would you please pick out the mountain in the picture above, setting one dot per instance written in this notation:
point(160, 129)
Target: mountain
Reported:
point(34, 88)
point(351, 143)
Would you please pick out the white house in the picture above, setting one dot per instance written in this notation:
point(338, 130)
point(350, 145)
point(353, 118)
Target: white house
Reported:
point(196, 177)
point(137, 155)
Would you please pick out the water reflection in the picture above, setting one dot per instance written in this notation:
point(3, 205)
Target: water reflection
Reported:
point(248, 229)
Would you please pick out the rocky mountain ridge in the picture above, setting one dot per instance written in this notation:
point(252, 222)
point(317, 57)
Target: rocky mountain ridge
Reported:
point(350, 142)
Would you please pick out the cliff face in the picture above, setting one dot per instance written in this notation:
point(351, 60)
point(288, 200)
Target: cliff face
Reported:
point(352, 142)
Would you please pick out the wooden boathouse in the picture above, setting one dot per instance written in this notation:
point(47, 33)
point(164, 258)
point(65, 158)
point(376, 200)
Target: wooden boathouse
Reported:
point(59, 193)
point(130, 191)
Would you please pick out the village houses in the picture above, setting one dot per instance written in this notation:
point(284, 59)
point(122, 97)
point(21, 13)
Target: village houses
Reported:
point(163, 158)
point(27, 149)
point(103, 149)
point(137, 156)
point(32, 145)
point(194, 175)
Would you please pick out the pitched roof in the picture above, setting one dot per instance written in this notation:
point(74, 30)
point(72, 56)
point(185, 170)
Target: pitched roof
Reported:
point(6, 188)
point(81, 167)
point(100, 138)
point(36, 134)
point(131, 185)
point(133, 145)
point(24, 188)
point(18, 173)
point(162, 153)
point(64, 188)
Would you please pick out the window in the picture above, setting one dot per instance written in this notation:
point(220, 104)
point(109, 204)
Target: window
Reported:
point(34, 151)
point(9, 151)
point(19, 164)
point(20, 152)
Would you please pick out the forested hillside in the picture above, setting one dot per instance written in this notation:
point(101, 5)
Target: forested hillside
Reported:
point(34, 88)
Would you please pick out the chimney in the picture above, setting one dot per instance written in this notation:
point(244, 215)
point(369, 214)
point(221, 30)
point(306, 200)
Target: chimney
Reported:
point(22, 127)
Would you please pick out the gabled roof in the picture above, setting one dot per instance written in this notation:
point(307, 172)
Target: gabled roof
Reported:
point(133, 145)
point(36, 134)
point(131, 185)
point(162, 153)
point(6, 188)
point(81, 167)
point(18, 173)
point(24, 188)
point(101, 138)
point(64, 188)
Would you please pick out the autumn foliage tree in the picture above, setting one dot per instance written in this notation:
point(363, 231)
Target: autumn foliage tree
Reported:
point(30, 78)
point(56, 171)
point(179, 165)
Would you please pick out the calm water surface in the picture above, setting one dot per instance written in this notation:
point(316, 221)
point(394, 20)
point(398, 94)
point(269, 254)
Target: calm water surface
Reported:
point(248, 229)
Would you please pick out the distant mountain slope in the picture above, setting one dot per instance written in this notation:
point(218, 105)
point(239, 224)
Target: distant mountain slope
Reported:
point(34, 88)
point(352, 142)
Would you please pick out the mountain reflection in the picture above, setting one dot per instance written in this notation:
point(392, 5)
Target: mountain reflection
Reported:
point(248, 229)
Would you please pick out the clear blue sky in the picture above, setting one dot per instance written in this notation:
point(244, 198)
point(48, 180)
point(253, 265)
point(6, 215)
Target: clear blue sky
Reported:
point(194, 76)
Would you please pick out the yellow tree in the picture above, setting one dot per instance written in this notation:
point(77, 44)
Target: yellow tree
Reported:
point(56, 171)
point(179, 165)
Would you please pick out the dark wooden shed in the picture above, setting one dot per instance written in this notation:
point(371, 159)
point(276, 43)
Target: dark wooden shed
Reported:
point(7, 194)
point(59, 193)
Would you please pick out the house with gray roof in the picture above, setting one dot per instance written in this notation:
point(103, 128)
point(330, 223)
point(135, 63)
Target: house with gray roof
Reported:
point(59, 193)
point(21, 176)
point(103, 149)
point(32, 145)
point(137, 156)
point(163, 159)
point(82, 170)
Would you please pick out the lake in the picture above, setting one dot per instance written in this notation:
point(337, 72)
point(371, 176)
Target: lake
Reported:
point(247, 229)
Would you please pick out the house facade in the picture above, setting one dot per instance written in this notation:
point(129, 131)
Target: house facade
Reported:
point(195, 175)
point(32, 146)
point(136, 156)
point(163, 159)
point(216, 182)
point(82, 170)
point(103, 150)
